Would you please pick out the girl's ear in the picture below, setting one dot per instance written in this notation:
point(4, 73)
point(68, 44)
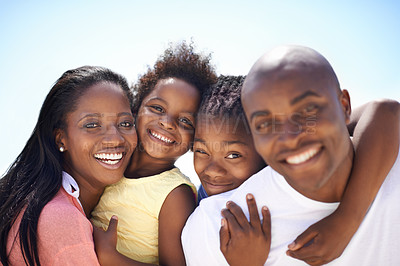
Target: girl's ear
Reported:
point(346, 106)
point(60, 140)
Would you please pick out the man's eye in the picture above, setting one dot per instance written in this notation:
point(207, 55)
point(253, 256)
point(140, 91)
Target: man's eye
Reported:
point(311, 109)
point(263, 125)
point(233, 156)
point(91, 125)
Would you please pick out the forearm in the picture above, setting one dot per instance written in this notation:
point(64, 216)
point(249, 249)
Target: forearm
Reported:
point(118, 259)
point(376, 144)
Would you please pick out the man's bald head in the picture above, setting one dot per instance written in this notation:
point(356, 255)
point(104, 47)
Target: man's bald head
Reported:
point(284, 61)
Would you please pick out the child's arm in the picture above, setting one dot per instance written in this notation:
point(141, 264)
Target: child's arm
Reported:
point(175, 210)
point(243, 242)
point(376, 144)
point(106, 246)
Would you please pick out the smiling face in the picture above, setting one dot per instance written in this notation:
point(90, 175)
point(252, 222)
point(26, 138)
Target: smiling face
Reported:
point(224, 154)
point(165, 121)
point(298, 122)
point(100, 136)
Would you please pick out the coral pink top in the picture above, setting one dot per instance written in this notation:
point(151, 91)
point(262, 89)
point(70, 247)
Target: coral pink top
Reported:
point(64, 233)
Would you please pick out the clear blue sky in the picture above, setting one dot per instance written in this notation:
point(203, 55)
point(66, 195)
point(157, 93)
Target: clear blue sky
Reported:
point(42, 39)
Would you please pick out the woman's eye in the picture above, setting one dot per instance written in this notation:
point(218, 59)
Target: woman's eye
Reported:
point(91, 125)
point(127, 124)
point(186, 121)
point(233, 156)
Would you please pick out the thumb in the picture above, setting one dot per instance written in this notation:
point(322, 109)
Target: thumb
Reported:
point(112, 226)
point(223, 235)
point(303, 239)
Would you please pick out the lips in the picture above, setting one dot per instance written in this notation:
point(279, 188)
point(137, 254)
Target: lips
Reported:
point(161, 137)
point(303, 156)
point(216, 188)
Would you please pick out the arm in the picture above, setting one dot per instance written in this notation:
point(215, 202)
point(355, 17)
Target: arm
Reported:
point(106, 246)
point(376, 144)
point(243, 242)
point(177, 207)
point(175, 210)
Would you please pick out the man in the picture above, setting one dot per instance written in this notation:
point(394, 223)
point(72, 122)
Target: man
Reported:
point(298, 114)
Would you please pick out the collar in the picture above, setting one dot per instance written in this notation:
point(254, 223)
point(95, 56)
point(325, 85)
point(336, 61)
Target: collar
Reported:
point(70, 186)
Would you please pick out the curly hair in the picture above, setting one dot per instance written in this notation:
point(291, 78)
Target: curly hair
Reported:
point(179, 61)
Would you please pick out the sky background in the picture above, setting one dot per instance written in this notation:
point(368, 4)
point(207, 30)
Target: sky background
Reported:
point(39, 40)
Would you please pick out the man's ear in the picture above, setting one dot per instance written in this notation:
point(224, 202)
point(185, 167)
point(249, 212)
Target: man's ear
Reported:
point(346, 105)
point(60, 139)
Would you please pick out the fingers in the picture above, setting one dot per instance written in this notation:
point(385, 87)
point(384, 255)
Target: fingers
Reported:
point(253, 212)
point(309, 254)
point(224, 235)
point(303, 240)
point(238, 213)
point(266, 224)
point(231, 221)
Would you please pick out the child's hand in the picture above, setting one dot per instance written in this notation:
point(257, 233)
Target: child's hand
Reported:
point(323, 241)
point(243, 242)
point(106, 242)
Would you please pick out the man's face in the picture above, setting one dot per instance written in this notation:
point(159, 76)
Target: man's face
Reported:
point(298, 122)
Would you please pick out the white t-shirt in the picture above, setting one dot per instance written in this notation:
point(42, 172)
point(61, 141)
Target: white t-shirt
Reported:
point(375, 243)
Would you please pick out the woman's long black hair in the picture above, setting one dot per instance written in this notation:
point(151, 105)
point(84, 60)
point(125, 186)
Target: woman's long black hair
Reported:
point(35, 176)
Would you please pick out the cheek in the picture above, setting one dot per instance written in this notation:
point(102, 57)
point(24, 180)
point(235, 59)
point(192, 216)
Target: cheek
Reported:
point(132, 139)
point(262, 146)
point(199, 165)
point(187, 136)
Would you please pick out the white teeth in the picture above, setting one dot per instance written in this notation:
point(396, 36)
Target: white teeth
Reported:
point(302, 157)
point(167, 140)
point(111, 158)
point(110, 162)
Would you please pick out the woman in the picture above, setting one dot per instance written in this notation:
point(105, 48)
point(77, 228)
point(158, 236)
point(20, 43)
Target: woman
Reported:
point(82, 142)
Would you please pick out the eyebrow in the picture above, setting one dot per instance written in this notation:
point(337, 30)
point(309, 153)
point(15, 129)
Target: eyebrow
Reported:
point(157, 98)
point(224, 142)
point(234, 142)
point(292, 102)
point(302, 96)
point(99, 115)
point(199, 140)
point(124, 114)
point(90, 115)
point(259, 113)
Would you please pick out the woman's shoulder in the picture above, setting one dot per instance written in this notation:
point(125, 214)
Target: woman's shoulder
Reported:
point(63, 210)
point(64, 232)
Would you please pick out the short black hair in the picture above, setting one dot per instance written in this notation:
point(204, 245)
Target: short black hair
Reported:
point(178, 61)
point(223, 101)
point(223, 98)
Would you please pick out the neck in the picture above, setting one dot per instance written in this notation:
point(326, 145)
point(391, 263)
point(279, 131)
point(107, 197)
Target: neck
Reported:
point(89, 199)
point(142, 165)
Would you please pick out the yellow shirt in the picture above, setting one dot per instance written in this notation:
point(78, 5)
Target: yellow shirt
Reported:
point(137, 203)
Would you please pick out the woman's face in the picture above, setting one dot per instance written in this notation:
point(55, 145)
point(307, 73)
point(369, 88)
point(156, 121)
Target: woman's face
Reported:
point(100, 136)
point(165, 120)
